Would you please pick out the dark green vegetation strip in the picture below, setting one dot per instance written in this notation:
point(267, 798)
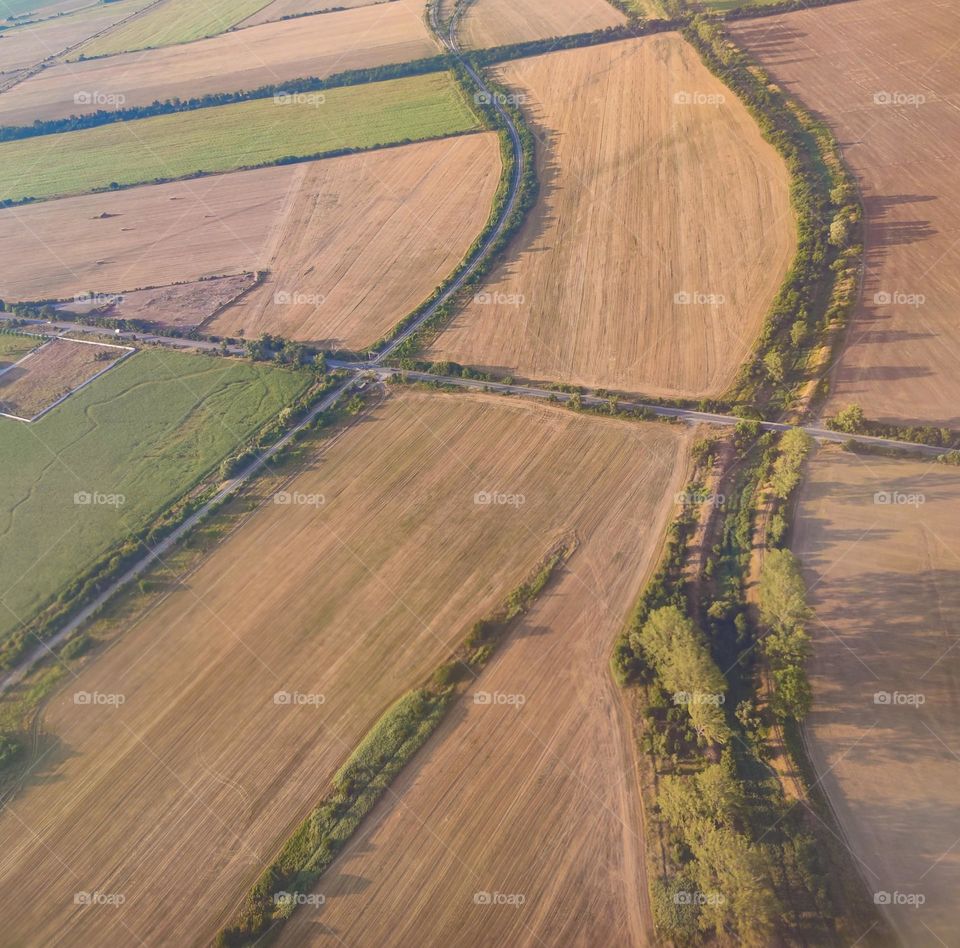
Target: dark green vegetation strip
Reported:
point(233, 137)
point(80, 489)
point(736, 860)
point(818, 296)
point(372, 767)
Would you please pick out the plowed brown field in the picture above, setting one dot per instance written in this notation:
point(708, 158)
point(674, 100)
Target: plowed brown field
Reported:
point(242, 59)
point(662, 233)
point(885, 75)
point(354, 598)
point(367, 238)
point(879, 542)
point(148, 236)
point(498, 22)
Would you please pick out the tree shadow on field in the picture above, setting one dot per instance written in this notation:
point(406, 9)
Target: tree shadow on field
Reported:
point(779, 44)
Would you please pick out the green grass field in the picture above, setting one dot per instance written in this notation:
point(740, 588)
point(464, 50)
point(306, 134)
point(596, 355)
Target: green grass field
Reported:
point(148, 430)
point(175, 21)
point(233, 136)
point(9, 8)
point(13, 348)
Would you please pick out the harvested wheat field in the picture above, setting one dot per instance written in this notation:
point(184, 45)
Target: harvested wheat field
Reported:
point(180, 306)
point(878, 540)
point(30, 44)
point(499, 22)
point(244, 59)
point(533, 793)
point(149, 236)
point(220, 772)
point(884, 75)
point(48, 374)
point(662, 233)
point(297, 8)
point(367, 239)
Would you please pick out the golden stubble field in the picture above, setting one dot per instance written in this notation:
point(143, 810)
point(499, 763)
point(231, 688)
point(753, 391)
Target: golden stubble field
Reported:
point(500, 22)
point(520, 822)
point(175, 798)
point(662, 232)
point(878, 539)
point(242, 59)
point(353, 243)
point(884, 75)
point(367, 239)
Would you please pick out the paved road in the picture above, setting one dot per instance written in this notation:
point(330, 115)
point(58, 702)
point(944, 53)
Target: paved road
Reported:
point(685, 414)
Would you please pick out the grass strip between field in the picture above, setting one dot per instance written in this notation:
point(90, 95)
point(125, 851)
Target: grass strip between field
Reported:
point(232, 137)
point(373, 765)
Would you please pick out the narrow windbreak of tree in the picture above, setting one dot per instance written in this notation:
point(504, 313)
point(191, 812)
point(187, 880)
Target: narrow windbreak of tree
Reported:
point(371, 768)
point(852, 420)
point(818, 296)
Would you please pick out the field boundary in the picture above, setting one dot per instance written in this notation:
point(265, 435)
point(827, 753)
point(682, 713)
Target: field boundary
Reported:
point(128, 351)
point(356, 787)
